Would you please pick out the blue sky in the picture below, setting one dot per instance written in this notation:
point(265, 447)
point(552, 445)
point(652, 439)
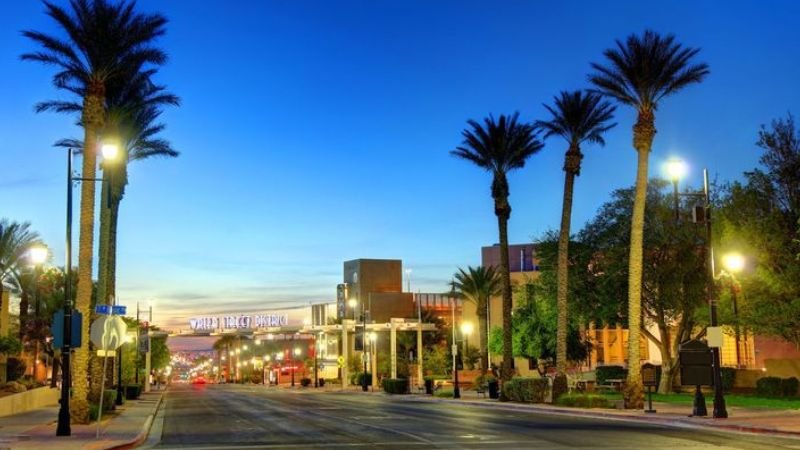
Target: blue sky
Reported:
point(317, 132)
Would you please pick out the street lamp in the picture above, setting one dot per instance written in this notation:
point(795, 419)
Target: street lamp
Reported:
point(37, 255)
point(352, 303)
point(677, 169)
point(454, 347)
point(63, 428)
point(294, 362)
point(734, 263)
point(466, 330)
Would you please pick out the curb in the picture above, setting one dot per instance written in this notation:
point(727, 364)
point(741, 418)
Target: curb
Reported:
point(142, 436)
point(676, 423)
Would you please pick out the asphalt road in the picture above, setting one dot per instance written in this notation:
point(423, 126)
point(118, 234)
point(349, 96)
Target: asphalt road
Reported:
point(235, 417)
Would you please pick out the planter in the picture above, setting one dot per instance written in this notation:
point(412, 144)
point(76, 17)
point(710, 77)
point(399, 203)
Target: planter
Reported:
point(494, 389)
point(429, 387)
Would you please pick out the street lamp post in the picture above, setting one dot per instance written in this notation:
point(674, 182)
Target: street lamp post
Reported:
point(63, 428)
point(676, 169)
point(454, 347)
point(364, 386)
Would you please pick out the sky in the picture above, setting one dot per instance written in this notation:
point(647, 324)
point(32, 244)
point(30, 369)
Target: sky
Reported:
point(315, 132)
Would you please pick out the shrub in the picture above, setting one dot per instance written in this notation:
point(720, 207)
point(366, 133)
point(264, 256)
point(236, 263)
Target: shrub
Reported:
point(15, 368)
point(603, 373)
point(14, 387)
point(525, 389)
point(305, 382)
point(93, 412)
point(584, 401)
point(359, 379)
point(559, 386)
point(395, 385)
point(789, 387)
point(443, 393)
point(768, 387)
point(482, 381)
point(109, 395)
point(728, 375)
point(133, 391)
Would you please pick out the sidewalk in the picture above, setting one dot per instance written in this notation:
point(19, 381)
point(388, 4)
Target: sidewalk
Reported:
point(785, 422)
point(37, 429)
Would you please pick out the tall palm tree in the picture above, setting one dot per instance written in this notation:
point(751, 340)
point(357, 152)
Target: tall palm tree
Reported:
point(15, 240)
point(639, 73)
point(577, 117)
point(479, 285)
point(106, 44)
point(499, 146)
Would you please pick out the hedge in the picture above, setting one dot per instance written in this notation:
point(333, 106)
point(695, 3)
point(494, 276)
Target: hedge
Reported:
point(728, 375)
point(525, 389)
point(395, 385)
point(305, 382)
point(584, 401)
point(603, 373)
point(777, 388)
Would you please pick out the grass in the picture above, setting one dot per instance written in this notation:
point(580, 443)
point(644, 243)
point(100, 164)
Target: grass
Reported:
point(744, 401)
point(443, 393)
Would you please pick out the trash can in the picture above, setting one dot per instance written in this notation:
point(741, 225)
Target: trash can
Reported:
point(321, 382)
point(494, 389)
point(429, 387)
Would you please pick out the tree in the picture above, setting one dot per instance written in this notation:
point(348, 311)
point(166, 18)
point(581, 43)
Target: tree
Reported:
point(500, 146)
point(760, 218)
point(15, 240)
point(640, 73)
point(674, 278)
point(577, 117)
point(106, 45)
point(478, 285)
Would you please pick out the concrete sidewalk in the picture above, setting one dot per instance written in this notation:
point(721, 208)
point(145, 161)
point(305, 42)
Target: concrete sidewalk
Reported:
point(127, 428)
point(778, 422)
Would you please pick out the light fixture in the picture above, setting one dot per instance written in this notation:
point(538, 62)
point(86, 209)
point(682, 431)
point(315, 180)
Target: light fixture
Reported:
point(675, 168)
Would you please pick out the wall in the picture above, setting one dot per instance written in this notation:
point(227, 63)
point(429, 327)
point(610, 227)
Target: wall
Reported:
point(28, 400)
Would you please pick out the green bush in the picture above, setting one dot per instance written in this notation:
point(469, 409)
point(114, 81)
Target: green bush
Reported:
point(305, 382)
point(482, 381)
point(525, 389)
point(603, 373)
point(728, 375)
point(15, 369)
point(789, 387)
point(109, 395)
point(559, 387)
point(93, 412)
point(359, 379)
point(395, 385)
point(443, 393)
point(133, 391)
point(14, 387)
point(584, 401)
point(768, 387)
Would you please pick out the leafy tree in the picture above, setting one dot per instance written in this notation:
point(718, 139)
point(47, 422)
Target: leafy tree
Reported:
point(478, 285)
point(760, 218)
point(674, 278)
point(500, 146)
point(640, 73)
point(577, 117)
point(534, 325)
point(106, 45)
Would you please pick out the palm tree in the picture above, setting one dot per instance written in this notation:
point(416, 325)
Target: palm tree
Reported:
point(577, 117)
point(15, 240)
point(223, 347)
point(479, 285)
point(499, 146)
point(132, 114)
point(106, 45)
point(639, 73)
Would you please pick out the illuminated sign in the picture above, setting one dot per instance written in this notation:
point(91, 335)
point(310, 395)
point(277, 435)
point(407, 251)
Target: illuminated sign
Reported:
point(236, 322)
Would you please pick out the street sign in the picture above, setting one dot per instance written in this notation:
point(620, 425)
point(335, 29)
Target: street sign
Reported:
point(108, 332)
point(696, 360)
point(119, 310)
point(649, 375)
point(58, 329)
point(102, 309)
point(714, 337)
point(340, 361)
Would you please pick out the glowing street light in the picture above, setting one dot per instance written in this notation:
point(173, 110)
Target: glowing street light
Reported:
point(466, 330)
point(733, 262)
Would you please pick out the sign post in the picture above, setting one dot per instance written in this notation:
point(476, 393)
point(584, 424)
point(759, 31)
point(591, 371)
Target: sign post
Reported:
point(649, 380)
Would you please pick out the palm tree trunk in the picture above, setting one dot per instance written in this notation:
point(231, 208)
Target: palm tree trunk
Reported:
point(112, 247)
point(571, 166)
point(643, 133)
point(503, 211)
point(483, 334)
point(24, 306)
point(103, 243)
point(92, 122)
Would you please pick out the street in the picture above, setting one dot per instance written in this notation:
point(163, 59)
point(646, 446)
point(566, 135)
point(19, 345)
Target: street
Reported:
point(232, 416)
